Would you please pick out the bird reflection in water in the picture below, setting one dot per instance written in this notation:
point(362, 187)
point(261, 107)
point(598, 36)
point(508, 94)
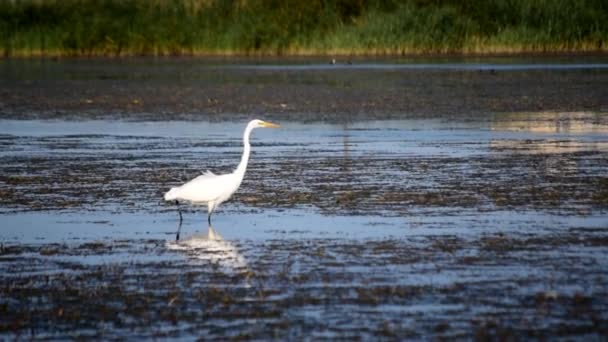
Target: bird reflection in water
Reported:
point(211, 247)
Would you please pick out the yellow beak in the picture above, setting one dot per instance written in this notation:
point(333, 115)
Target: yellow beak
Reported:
point(269, 124)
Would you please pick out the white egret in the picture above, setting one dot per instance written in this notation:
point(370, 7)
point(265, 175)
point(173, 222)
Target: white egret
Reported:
point(212, 189)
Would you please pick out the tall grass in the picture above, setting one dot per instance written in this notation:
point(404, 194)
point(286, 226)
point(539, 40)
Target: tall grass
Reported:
point(193, 27)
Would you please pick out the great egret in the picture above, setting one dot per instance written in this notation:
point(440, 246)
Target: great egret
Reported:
point(212, 189)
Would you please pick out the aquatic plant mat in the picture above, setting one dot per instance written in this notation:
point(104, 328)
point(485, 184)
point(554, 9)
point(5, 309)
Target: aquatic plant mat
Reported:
point(501, 285)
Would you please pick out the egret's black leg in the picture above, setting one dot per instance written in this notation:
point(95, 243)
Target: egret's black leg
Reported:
point(179, 227)
point(209, 219)
point(179, 212)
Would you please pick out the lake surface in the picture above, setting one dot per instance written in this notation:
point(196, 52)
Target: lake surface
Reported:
point(360, 221)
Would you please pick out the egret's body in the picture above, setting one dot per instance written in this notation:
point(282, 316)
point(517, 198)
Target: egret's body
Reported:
point(212, 189)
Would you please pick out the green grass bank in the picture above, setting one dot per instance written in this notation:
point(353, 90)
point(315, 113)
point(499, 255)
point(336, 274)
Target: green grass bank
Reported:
point(294, 27)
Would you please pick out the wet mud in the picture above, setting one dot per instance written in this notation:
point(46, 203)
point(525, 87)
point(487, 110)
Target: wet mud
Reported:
point(449, 203)
point(303, 90)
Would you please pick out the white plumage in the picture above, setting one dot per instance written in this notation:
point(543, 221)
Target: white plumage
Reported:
point(212, 189)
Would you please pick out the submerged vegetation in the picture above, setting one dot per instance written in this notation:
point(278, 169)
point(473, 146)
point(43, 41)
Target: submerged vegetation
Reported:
point(199, 27)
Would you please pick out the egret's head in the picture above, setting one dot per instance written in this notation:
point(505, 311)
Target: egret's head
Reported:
point(259, 123)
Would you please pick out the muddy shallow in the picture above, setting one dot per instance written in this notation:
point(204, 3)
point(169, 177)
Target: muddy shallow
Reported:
point(302, 90)
point(468, 223)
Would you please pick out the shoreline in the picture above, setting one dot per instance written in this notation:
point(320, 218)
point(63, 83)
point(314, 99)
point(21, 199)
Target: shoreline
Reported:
point(371, 54)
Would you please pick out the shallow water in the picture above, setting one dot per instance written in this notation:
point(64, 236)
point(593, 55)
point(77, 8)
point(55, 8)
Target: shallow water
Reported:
point(469, 226)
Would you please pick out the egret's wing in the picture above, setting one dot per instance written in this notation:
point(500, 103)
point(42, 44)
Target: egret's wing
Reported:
point(204, 188)
point(208, 174)
point(186, 191)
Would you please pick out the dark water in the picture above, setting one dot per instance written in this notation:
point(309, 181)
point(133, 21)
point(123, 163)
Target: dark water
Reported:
point(467, 225)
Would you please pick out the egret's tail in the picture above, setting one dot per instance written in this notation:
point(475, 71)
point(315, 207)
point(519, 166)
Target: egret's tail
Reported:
point(171, 194)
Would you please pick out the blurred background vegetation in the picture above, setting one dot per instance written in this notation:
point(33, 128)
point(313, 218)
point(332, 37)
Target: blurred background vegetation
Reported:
point(295, 27)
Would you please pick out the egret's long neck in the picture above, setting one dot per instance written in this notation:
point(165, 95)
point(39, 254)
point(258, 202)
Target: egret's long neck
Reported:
point(240, 170)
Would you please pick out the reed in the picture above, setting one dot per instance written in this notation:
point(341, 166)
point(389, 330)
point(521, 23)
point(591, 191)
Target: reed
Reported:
point(293, 27)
